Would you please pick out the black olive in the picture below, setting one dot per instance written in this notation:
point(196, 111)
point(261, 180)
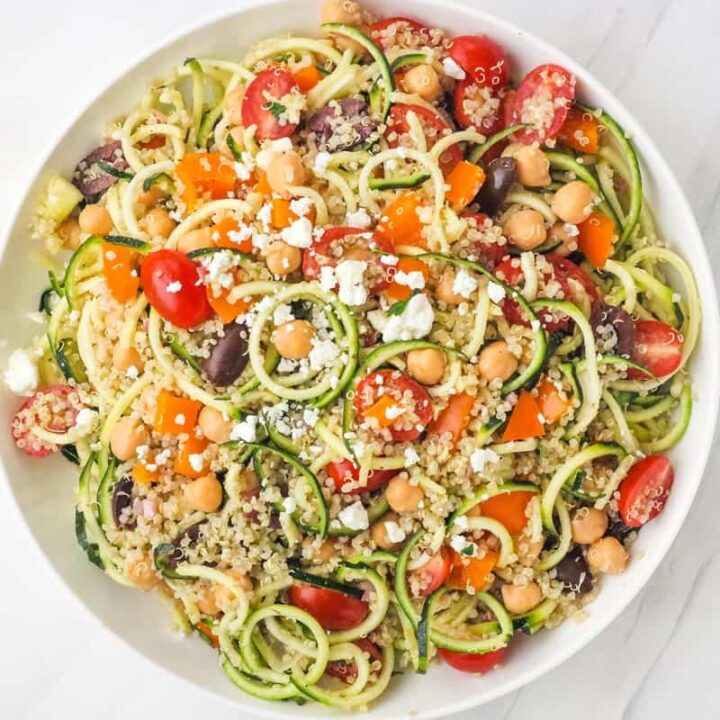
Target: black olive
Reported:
point(177, 554)
point(89, 177)
point(603, 315)
point(121, 500)
point(574, 573)
point(342, 125)
point(500, 177)
point(229, 356)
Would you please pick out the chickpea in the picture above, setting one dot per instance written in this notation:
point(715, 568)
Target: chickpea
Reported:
point(532, 167)
point(496, 362)
point(559, 232)
point(525, 229)
point(69, 232)
point(95, 220)
point(127, 436)
point(282, 259)
point(422, 80)
point(573, 202)
point(426, 366)
point(206, 603)
point(284, 171)
point(326, 552)
point(124, 358)
point(293, 339)
point(402, 495)
point(204, 494)
point(195, 240)
point(158, 223)
point(222, 596)
point(232, 104)
point(588, 525)
point(141, 573)
point(444, 289)
point(150, 197)
point(379, 534)
point(213, 425)
point(607, 555)
point(346, 12)
point(519, 599)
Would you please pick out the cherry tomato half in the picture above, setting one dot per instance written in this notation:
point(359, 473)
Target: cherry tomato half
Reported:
point(347, 671)
point(56, 400)
point(658, 347)
point(487, 254)
point(477, 107)
point(645, 490)
point(343, 472)
point(471, 663)
point(434, 572)
point(403, 32)
point(331, 608)
point(570, 271)
point(482, 59)
point(393, 384)
point(269, 84)
point(434, 127)
point(174, 287)
point(543, 100)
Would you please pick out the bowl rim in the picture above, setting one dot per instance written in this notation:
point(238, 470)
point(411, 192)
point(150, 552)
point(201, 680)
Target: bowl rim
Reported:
point(651, 156)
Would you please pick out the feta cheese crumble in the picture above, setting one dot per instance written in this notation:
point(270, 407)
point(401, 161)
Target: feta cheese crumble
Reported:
point(413, 323)
point(354, 516)
point(359, 218)
point(299, 234)
point(452, 69)
point(481, 457)
point(245, 430)
point(21, 375)
point(411, 457)
point(414, 279)
point(394, 532)
point(464, 284)
point(496, 292)
point(350, 276)
point(174, 287)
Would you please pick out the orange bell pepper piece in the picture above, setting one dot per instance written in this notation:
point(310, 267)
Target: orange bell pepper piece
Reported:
point(524, 422)
point(175, 414)
point(552, 404)
point(474, 572)
point(281, 216)
point(208, 632)
point(400, 223)
point(221, 236)
point(205, 172)
point(192, 446)
point(142, 476)
point(379, 411)
point(454, 418)
point(395, 290)
point(508, 509)
point(596, 238)
point(580, 131)
point(121, 276)
point(227, 311)
point(307, 78)
point(262, 186)
point(465, 182)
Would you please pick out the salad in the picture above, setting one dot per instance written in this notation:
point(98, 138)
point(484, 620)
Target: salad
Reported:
point(366, 350)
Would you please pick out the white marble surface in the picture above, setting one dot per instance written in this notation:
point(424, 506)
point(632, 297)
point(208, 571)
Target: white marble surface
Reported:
point(659, 659)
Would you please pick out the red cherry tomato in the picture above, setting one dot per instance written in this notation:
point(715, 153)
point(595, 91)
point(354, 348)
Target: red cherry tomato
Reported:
point(59, 401)
point(269, 84)
point(434, 572)
point(487, 254)
point(567, 268)
point(331, 608)
point(658, 347)
point(471, 663)
point(645, 490)
point(510, 270)
point(482, 59)
point(174, 287)
point(343, 472)
point(347, 671)
point(542, 100)
point(477, 107)
point(403, 32)
point(394, 384)
point(434, 127)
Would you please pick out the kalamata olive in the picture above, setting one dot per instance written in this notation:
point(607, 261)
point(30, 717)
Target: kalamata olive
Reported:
point(618, 529)
point(574, 574)
point(177, 555)
point(229, 356)
point(342, 125)
point(614, 329)
point(500, 177)
point(121, 501)
point(89, 178)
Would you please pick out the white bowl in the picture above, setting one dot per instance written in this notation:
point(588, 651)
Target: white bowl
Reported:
point(44, 490)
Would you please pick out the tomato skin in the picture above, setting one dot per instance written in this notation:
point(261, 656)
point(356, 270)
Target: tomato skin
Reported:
point(470, 663)
point(645, 490)
point(489, 255)
point(482, 59)
point(189, 306)
point(276, 82)
point(34, 447)
point(395, 380)
point(658, 347)
point(331, 608)
point(347, 672)
point(344, 470)
point(563, 266)
point(551, 80)
point(490, 124)
point(434, 572)
point(433, 125)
